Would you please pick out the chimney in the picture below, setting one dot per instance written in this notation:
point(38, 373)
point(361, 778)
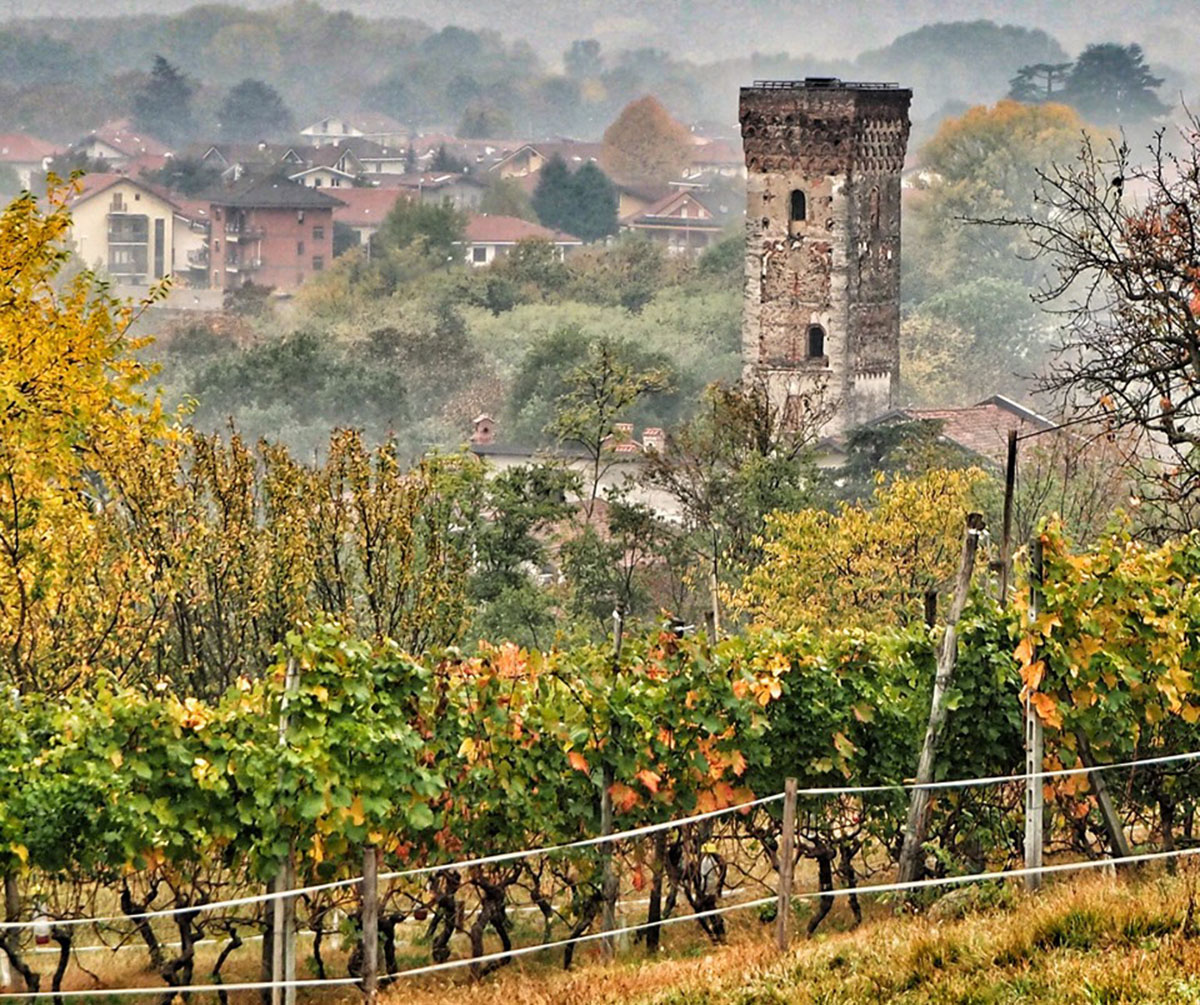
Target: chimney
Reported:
point(653, 438)
point(484, 431)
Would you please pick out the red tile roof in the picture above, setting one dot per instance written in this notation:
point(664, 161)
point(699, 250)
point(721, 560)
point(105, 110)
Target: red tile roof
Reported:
point(982, 428)
point(717, 152)
point(20, 148)
point(93, 184)
point(121, 135)
point(485, 229)
point(366, 207)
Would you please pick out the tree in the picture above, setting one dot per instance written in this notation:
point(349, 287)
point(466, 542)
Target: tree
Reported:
point(1039, 82)
point(435, 230)
point(481, 120)
point(594, 206)
point(70, 404)
point(733, 463)
point(865, 565)
point(583, 203)
point(987, 157)
point(163, 105)
point(644, 142)
point(600, 390)
point(505, 197)
point(582, 61)
point(253, 110)
point(1126, 286)
point(1111, 84)
point(552, 197)
point(187, 175)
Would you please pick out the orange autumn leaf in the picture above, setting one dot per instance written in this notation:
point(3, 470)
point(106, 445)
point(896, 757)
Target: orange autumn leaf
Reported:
point(1047, 709)
point(638, 879)
point(649, 779)
point(624, 798)
point(578, 761)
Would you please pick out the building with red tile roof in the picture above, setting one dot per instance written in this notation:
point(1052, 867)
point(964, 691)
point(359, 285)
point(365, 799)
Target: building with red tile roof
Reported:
point(490, 237)
point(364, 209)
point(26, 155)
point(981, 429)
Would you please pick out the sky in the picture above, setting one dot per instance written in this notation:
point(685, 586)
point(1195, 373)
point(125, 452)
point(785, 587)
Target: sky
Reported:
point(714, 29)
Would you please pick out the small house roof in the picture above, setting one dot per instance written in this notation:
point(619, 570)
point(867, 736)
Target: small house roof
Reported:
point(268, 194)
point(483, 228)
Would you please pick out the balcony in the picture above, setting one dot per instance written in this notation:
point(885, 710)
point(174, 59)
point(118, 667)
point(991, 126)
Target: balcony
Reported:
point(242, 232)
point(245, 265)
point(198, 258)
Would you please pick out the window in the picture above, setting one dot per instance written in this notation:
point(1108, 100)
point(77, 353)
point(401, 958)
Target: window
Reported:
point(816, 342)
point(217, 247)
point(299, 247)
point(799, 206)
point(479, 254)
point(318, 263)
point(118, 203)
point(318, 233)
point(316, 182)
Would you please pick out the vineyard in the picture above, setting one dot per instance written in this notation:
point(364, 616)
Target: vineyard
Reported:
point(123, 802)
point(248, 743)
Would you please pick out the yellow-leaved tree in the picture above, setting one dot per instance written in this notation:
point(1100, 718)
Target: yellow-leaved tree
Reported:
point(865, 565)
point(70, 402)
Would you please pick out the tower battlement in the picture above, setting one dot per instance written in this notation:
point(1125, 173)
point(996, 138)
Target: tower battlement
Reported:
point(822, 283)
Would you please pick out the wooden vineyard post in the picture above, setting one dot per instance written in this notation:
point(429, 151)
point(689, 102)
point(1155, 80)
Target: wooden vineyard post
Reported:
point(608, 882)
point(1010, 482)
point(369, 891)
point(787, 861)
point(918, 807)
point(283, 913)
point(1034, 796)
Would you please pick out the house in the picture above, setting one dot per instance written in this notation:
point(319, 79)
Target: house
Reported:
point(464, 191)
point(25, 156)
point(125, 228)
point(490, 237)
point(980, 429)
point(374, 126)
point(270, 232)
point(530, 158)
point(627, 454)
point(323, 176)
point(117, 143)
point(716, 159)
point(190, 244)
point(236, 160)
point(364, 209)
point(679, 221)
point(376, 158)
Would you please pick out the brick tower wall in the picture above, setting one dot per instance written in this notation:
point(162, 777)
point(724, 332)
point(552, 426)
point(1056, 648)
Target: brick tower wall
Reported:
point(843, 147)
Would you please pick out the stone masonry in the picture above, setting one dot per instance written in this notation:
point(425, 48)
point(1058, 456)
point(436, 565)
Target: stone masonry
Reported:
point(822, 285)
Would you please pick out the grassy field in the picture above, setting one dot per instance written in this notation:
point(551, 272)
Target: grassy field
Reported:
point(1094, 941)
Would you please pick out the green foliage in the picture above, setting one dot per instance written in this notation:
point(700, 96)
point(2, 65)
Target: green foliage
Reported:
point(505, 197)
point(434, 231)
point(1111, 84)
point(583, 203)
point(186, 175)
point(163, 105)
point(481, 120)
point(253, 110)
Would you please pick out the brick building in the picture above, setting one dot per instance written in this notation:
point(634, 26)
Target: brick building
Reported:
point(822, 290)
point(272, 233)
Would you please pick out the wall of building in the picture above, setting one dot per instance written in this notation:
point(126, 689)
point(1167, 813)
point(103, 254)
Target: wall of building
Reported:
point(135, 262)
point(839, 267)
point(280, 248)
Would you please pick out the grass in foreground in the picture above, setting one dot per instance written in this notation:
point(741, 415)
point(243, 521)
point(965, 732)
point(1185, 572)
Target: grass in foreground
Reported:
point(1092, 941)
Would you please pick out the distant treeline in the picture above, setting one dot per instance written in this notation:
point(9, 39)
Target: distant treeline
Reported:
point(61, 77)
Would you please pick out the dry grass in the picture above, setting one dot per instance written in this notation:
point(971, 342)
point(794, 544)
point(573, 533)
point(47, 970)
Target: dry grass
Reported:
point(1092, 941)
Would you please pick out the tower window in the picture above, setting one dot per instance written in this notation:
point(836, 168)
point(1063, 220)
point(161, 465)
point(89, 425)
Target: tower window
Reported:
point(816, 342)
point(799, 205)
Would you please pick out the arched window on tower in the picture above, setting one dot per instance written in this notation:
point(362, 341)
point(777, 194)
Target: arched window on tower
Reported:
point(816, 342)
point(799, 206)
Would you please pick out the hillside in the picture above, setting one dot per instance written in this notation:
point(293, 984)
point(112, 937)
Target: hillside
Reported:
point(1088, 941)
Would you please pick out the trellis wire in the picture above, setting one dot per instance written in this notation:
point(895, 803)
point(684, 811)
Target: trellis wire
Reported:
point(619, 836)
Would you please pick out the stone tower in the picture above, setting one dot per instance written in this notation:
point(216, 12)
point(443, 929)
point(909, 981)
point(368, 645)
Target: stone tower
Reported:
point(822, 290)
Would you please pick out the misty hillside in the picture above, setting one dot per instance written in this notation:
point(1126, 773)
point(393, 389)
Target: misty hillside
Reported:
point(717, 29)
